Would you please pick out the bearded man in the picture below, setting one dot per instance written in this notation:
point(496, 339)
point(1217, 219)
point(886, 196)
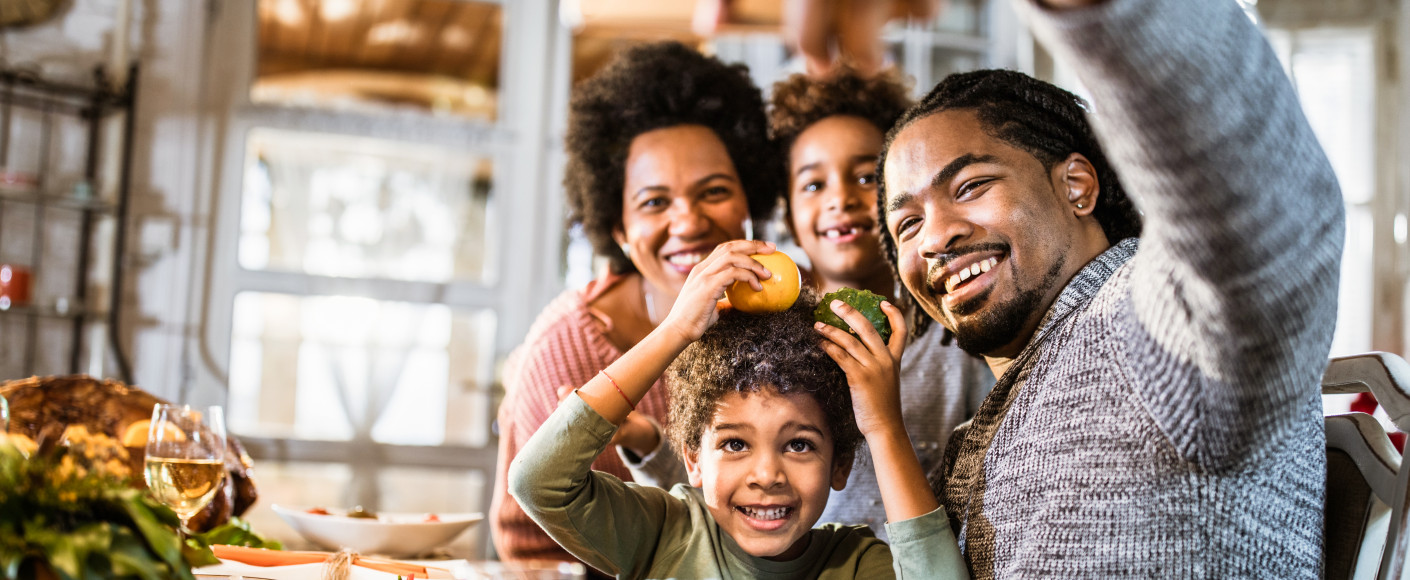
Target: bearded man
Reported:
point(1157, 412)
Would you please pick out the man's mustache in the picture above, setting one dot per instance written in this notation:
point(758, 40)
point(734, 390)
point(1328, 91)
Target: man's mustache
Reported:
point(939, 262)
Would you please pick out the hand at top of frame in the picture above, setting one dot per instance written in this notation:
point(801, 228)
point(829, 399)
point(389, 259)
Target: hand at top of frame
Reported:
point(831, 33)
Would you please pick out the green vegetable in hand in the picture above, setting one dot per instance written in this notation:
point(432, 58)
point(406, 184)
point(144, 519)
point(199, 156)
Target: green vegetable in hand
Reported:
point(865, 301)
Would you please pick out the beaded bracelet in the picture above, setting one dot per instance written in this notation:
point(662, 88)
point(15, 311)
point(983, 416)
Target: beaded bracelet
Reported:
point(619, 389)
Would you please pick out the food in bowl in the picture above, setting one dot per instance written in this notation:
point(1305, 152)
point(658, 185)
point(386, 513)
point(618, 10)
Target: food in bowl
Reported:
point(358, 512)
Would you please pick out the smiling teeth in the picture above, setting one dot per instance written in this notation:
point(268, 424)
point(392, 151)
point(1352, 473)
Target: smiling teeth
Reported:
point(839, 232)
point(764, 514)
point(973, 270)
point(685, 259)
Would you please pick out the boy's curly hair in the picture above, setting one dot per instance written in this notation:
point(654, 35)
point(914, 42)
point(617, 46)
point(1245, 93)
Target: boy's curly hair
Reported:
point(745, 353)
point(799, 101)
point(655, 86)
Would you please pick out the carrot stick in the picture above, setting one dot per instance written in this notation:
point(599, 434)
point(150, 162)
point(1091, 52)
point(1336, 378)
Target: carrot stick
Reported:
point(263, 557)
point(266, 558)
point(390, 566)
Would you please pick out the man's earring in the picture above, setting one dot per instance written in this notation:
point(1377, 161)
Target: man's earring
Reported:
point(1079, 206)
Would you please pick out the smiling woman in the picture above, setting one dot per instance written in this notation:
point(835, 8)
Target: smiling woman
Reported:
point(668, 157)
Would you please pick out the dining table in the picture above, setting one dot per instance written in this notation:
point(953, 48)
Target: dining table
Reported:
point(241, 563)
point(237, 562)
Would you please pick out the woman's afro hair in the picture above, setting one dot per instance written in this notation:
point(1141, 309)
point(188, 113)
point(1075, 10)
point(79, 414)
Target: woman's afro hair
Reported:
point(655, 86)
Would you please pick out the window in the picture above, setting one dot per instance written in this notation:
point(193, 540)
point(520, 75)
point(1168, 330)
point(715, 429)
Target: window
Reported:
point(364, 208)
point(370, 271)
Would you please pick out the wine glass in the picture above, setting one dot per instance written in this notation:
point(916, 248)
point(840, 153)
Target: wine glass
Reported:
point(185, 457)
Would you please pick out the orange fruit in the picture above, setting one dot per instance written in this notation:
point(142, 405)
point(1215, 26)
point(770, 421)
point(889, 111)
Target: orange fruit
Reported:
point(779, 292)
point(136, 434)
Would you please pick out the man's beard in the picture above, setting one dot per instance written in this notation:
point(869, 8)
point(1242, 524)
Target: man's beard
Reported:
point(1000, 324)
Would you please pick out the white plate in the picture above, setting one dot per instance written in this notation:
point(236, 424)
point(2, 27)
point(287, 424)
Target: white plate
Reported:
point(391, 534)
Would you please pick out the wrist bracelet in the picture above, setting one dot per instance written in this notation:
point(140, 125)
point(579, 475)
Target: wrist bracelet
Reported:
point(630, 404)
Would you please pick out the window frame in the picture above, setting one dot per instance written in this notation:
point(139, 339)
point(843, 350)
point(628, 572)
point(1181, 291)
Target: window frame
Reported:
point(523, 204)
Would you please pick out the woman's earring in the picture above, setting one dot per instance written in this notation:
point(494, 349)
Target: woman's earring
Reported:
point(749, 228)
point(626, 251)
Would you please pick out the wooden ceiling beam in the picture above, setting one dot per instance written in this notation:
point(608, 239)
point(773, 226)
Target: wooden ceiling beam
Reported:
point(483, 57)
point(435, 46)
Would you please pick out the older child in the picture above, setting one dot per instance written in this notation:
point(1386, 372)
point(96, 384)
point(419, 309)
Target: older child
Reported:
point(831, 130)
point(766, 425)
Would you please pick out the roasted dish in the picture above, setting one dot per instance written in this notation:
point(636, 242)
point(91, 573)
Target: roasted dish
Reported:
point(42, 408)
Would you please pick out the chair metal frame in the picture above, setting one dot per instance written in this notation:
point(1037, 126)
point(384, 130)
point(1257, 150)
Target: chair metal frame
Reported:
point(1387, 376)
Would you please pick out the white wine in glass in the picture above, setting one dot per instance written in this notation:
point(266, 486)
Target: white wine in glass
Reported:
point(185, 457)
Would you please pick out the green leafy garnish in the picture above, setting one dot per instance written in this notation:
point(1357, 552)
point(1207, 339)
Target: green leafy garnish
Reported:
point(73, 512)
point(865, 301)
point(237, 532)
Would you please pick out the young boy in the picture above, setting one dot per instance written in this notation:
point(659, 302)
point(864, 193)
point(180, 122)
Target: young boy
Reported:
point(767, 425)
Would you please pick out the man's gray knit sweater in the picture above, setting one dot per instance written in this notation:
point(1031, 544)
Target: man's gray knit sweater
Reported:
point(1165, 420)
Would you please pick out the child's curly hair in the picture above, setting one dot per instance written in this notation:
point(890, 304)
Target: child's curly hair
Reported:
point(799, 101)
point(744, 353)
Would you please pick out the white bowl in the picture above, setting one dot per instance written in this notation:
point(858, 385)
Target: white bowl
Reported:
point(391, 534)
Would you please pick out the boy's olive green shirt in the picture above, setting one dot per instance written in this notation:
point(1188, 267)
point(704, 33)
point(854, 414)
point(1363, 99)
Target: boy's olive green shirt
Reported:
point(633, 531)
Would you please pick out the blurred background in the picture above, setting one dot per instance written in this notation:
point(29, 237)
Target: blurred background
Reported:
point(337, 217)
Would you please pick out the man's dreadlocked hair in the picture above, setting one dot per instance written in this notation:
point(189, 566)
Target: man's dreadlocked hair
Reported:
point(1047, 122)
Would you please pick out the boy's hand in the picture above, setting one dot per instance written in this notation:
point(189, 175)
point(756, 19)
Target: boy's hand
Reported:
point(873, 367)
point(695, 308)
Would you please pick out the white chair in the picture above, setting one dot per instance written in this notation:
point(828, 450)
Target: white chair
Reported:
point(1367, 492)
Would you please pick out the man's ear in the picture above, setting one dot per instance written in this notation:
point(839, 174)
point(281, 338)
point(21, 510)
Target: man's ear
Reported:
point(692, 466)
point(841, 470)
point(1076, 179)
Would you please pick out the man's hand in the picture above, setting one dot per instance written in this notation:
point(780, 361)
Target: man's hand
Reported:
point(830, 33)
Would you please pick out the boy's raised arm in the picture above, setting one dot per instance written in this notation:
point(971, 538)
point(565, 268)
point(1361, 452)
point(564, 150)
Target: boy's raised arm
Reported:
point(552, 479)
point(922, 543)
point(614, 392)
